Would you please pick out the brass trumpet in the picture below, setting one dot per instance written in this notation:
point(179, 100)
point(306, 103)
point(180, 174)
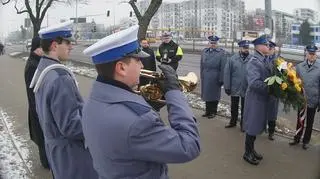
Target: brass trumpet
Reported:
point(153, 92)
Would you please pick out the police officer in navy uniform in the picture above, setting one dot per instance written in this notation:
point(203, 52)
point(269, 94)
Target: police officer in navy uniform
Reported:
point(125, 136)
point(213, 60)
point(273, 101)
point(257, 98)
point(235, 81)
point(169, 52)
point(309, 72)
point(59, 107)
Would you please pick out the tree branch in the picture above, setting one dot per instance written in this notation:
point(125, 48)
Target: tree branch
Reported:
point(153, 8)
point(41, 3)
point(135, 9)
point(37, 9)
point(19, 11)
point(6, 2)
point(44, 11)
point(29, 10)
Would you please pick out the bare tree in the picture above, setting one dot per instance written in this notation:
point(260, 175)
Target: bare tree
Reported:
point(144, 20)
point(36, 13)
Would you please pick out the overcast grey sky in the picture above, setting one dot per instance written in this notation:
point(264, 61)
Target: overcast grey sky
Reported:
point(10, 20)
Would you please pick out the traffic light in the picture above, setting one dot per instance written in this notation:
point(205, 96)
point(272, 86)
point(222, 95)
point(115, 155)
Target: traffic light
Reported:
point(130, 14)
point(108, 13)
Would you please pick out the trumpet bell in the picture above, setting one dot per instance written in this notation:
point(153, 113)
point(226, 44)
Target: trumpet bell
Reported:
point(151, 91)
point(188, 82)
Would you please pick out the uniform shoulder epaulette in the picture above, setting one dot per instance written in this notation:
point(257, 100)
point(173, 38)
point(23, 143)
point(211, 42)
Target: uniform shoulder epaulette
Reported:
point(61, 72)
point(317, 63)
point(137, 108)
point(219, 50)
point(205, 49)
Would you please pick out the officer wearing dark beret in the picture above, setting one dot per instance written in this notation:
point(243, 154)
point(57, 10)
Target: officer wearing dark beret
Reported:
point(213, 60)
point(257, 98)
point(309, 72)
point(235, 81)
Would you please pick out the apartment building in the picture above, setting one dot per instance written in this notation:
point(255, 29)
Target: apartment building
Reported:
point(199, 18)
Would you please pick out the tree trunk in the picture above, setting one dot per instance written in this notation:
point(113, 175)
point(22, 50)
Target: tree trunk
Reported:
point(36, 27)
point(144, 20)
point(143, 30)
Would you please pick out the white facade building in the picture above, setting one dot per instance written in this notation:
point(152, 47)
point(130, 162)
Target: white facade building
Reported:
point(283, 24)
point(199, 18)
point(305, 13)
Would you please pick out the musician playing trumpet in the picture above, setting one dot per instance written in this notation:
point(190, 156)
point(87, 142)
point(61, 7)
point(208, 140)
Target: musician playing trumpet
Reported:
point(125, 136)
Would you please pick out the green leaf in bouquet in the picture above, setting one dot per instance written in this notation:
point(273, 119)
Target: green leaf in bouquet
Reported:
point(266, 80)
point(278, 80)
point(272, 80)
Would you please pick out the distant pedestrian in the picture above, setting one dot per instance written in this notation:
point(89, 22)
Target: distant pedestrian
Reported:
point(1, 49)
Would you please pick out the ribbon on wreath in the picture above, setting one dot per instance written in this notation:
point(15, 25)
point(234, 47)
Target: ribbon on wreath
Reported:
point(302, 114)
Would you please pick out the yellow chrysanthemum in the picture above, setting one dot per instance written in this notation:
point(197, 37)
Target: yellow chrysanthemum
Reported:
point(284, 86)
point(291, 75)
point(298, 88)
point(279, 61)
point(297, 81)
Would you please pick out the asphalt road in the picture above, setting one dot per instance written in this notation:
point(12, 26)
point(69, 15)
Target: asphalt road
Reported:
point(190, 63)
point(221, 149)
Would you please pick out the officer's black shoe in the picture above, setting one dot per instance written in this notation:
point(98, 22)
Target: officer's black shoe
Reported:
point(205, 115)
point(257, 155)
point(241, 128)
point(271, 136)
point(210, 116)
point(294, 142)
point(305, 146)
point(230, 125)
point(249, 157)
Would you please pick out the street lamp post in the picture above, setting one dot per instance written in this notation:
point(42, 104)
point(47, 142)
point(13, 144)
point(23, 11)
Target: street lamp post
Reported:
point(76, 31)
point(268, 16)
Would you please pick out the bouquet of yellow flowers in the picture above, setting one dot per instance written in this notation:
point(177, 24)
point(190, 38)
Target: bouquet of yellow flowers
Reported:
point(286, 85)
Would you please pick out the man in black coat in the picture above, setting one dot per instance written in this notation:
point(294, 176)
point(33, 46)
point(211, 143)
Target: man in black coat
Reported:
point(1, 49)
point(35, 130)
point(149, 63)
